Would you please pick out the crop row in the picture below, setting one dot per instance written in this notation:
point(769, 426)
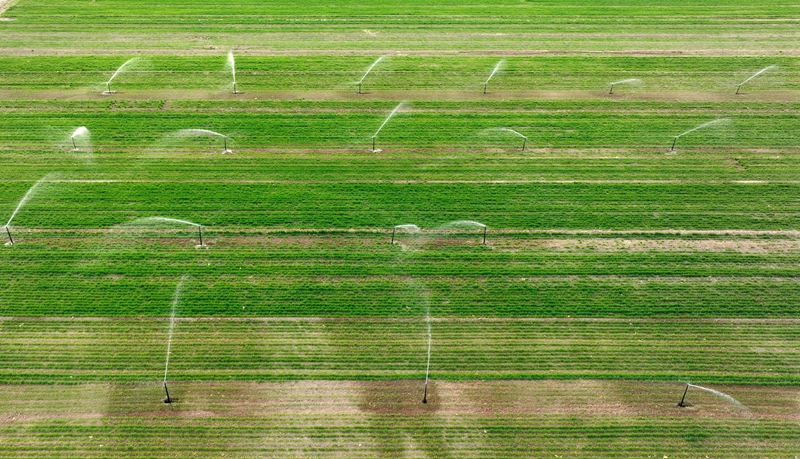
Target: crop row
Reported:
point(344, 127)
point(642, 206)
point(336, 72)
point(383, 435)
point(64, 351)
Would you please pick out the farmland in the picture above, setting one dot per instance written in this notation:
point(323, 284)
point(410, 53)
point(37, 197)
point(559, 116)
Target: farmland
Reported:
point(616, 268)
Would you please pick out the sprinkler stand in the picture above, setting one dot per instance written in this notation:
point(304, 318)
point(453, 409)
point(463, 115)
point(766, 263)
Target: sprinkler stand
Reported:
point(108, 87)
point(75, 147)
point(681, 404)
point(673, 143)
point(359, 87)
point(484, 87)
point(425, 393)
point(393, 230)
point(234, 88)
point(9, 236)
point(484, 235)
point(200, 232)
point(524, 139)
point(612, 89)
point(168, 400)
point(737, 89)
point(373, 144)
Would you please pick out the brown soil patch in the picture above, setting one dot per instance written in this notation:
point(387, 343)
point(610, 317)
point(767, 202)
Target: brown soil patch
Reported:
point(651, 245)
point(5, 5)
point(398, 397)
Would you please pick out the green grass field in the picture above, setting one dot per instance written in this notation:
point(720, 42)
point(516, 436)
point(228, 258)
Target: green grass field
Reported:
point(616, 269)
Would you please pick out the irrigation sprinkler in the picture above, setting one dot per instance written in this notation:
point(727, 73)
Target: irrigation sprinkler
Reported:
point(373, 144)
point(9, 236)
point(673, 143)
point(359, 87)
point(484, 235)
point(224, 144)
point(425, 393)
point(200, 232)
point(685, 391)
point(485, 84)
point(74, 147)
point(524, 140)
point(393, 230)
point(611, 91)
point(738, 88)
point(167, 400)
point(234, 88)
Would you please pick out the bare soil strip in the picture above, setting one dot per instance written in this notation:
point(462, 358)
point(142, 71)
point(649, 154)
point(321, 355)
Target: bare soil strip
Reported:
point(584, 398)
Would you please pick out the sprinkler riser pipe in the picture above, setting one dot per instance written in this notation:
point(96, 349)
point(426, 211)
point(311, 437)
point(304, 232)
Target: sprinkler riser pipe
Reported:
point(425, 394)
point(373, 144)
point(484, 235)
point(393, 230)
point(225, 143)
point(73, 143)
point(168, 400)
point(738, 88)
point(200, 231)
point(484, 87)
point(524, 140)
point(9, 236)
point(612, 90)
point(673, 144)
point(108, 86)
point(359, 87)
point(684, 397)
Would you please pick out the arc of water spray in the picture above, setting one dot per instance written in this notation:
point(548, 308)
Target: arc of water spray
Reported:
point(628, 81)
point(769, 67)
point(400, 105)
point(175, 297)
point(81, 131)
point(715, 392)
point(182, 222)
point(187, 132)
point(232, 64)
point(119, 70)
point(524, 138)
point(704, 125)
point(22, 202)
point(367, 72)
point(496, 69)
point(407, 226)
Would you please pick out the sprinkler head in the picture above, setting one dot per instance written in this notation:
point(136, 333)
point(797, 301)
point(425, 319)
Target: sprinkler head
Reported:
point(738, 88)
point(612, 90)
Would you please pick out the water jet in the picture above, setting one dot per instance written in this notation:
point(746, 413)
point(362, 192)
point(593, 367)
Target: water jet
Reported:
point(524, 138)
point(631, 81)
point(232, 65)
point(769, 67)
point(405, 227)
point(175, 297)
point(367, 73)
point(496, 69)
point(119, 70)
point(31, 191)
point(704, 125)
point(81, 131)
point(197, 132)
point(147, 220)
point(715, 392)
point(400, 105)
